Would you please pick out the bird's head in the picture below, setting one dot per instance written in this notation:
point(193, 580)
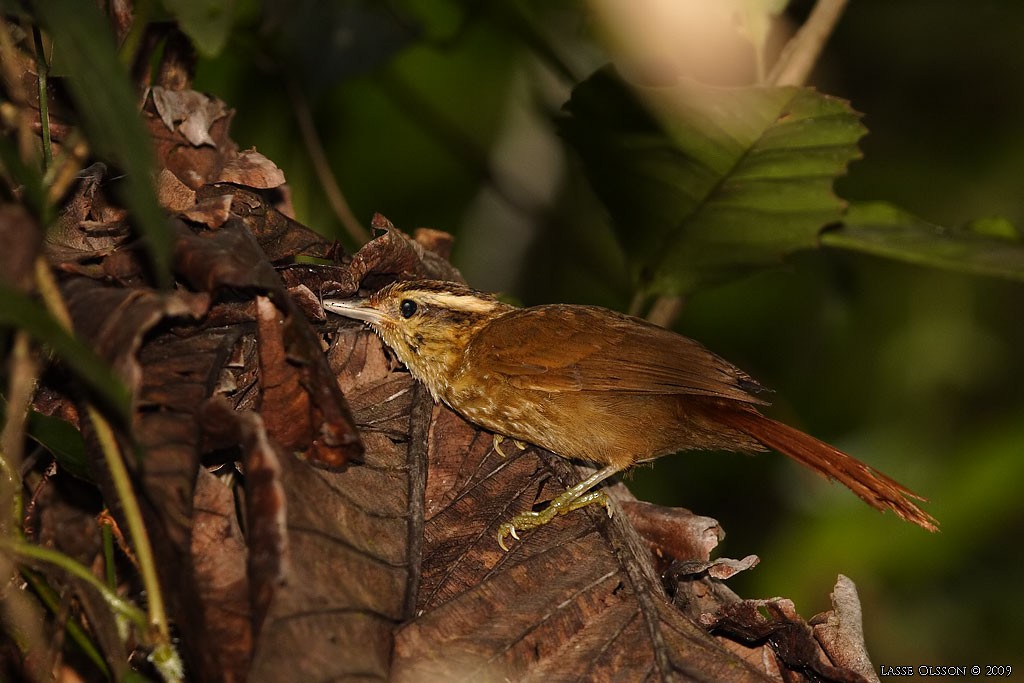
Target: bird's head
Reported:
point(427, 323)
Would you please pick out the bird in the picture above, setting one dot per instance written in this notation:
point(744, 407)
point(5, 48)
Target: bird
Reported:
point(591, 384)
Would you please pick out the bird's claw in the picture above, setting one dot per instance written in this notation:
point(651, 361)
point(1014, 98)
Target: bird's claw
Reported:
point(506, 529)
point(498, 439)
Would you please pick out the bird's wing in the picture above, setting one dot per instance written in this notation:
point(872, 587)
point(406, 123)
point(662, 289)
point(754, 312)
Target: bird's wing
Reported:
point(560, 348)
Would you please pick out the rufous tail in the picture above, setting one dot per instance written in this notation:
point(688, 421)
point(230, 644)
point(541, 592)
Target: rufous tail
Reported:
point(873, 487)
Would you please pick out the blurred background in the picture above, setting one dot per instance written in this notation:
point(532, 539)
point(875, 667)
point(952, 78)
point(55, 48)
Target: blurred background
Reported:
point(439, 113)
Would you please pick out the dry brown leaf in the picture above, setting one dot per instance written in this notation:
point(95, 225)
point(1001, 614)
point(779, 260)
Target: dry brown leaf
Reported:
point(251, 169)
point(331, 550)
point(21, 239)
point(280, 237)
point(285, 405)
point(173, 194)
point(673, 534)
point(219, 559)
point(841, 631)
point(189, 112)
point(791, 638)
point(212, 212)
point(393, 255)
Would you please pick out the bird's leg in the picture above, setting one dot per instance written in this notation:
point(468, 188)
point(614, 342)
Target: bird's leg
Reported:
point(574, 498)
point(498, 439)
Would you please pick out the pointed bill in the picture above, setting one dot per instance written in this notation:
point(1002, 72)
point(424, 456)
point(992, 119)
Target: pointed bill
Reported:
point(359, 309)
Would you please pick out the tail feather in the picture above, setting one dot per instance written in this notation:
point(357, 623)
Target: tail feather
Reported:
point(873, 487)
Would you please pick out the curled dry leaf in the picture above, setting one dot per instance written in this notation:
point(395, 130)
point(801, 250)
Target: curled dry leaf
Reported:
point(196, 150)
point(229, 257)
point(280, 237)
point(393, 255)
point(252, 169)
point(286, 406)
point(219, 559)
point(188, 112)
point(173, 194)
point(790, 636)
point(212, 212)
point(841, 630)
point(673, 534)
point(114, 320)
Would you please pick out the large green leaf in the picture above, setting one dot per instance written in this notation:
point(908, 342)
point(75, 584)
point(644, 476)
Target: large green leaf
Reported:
point(984, 247)
point(206, 22)
point(109, 109)
point(705, 184)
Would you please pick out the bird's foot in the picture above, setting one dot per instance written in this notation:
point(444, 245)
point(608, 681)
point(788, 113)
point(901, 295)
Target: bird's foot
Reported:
point(561, 505)
point(498, 439)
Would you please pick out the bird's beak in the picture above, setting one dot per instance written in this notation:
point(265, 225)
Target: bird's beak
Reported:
point(359, 309)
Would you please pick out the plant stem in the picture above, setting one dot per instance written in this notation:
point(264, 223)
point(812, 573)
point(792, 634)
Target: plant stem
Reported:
point(77, 633)
point(321, 166)
point(43, 71)
point(803, 50)
point(62, 561)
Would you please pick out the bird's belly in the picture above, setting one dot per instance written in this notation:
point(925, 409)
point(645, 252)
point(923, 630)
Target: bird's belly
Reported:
point(603, 427)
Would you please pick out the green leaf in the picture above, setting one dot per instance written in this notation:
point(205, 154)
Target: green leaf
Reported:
point(708, 184)
point(62, 439)
point(109, 110)
point(206, 22)
point(19, 311)
point(984, 247)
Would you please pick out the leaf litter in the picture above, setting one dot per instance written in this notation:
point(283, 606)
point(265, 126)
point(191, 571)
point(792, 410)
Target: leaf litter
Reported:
point(315, 515)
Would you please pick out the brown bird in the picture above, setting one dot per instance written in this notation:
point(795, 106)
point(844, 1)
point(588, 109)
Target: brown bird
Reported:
point(591, 384)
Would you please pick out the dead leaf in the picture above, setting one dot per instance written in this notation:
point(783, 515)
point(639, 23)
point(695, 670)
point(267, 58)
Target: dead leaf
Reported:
point(173, 194)
point(219, 558)
point(577, 598)
point(674, 533)
point(114, 320)
point(212, 212)
point(229, 257)
point(330, 551)
point(841, 630)
point(285, 406)
point(189, 112)
point(436, 241)
point(280, 237)
point(251, 169)
point(22, 239)
point(791, 637)
point(394, 255)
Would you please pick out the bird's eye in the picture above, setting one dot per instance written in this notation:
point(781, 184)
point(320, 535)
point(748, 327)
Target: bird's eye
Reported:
point(407, 308)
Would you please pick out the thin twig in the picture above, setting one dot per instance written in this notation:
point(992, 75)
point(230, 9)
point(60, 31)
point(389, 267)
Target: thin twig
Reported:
point(9, 67)
point(21, 387)
point(42, 72)
point(665, 310)
point(322, 168)
point(802, 51)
